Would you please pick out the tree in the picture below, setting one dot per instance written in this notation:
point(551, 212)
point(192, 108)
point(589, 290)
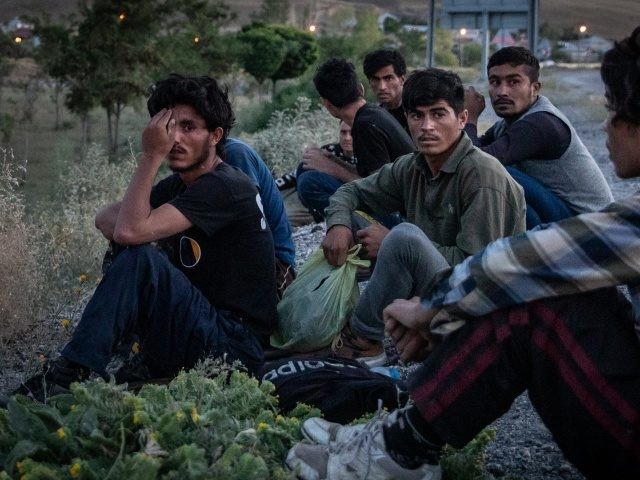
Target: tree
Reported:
point(302, 51)
point(8, 51)
point(55, 42)
point(263, 51)
point(190, 42)
point(276, 52)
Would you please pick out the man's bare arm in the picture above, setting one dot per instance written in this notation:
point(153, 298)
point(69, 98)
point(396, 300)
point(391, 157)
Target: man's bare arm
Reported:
point(321, 161)
point(106, 218)
point(137, 222)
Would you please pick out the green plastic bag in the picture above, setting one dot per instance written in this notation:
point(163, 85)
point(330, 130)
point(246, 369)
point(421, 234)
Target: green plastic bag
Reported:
point(318, 303)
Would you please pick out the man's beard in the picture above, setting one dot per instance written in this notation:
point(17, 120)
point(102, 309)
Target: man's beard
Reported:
point(204, 156)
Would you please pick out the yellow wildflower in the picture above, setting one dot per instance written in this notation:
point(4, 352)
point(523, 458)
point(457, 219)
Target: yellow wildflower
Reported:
point(262, 427)
point(65, 322)
point(61, 433)
point(180, 415)
point(136, 418)
point(82, 278)
point(20, 467)
point(74, 471)
point(135, 348)
point(195, 418)
point(279, 418)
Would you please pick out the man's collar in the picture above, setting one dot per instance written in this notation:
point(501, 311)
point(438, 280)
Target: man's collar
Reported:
point(451, 165)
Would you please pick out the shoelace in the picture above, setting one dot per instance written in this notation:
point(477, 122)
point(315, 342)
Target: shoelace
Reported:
point(363, 439)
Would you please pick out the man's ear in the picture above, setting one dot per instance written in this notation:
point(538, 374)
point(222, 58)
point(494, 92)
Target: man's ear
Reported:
point(361, 89)
point(463, 116)
point(536, 87)
point(215, 137)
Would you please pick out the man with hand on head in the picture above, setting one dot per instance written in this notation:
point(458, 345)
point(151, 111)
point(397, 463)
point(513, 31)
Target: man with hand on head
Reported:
point(210, 290)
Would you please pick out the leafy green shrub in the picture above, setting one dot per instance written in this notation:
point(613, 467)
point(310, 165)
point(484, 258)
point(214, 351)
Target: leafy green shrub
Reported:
point(290, 132)
point(210, 422)
point(196, 427)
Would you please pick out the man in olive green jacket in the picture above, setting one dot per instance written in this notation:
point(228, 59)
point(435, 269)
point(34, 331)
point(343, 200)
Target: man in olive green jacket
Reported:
point(455, 198)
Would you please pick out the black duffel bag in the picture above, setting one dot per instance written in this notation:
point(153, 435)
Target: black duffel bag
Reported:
point(342, 389)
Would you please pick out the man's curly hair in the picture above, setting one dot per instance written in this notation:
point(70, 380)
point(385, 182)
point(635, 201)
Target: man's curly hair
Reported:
point(207, 98)
point(620, 73)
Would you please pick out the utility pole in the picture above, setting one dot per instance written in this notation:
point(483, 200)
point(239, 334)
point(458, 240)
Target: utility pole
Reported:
point(432, 34)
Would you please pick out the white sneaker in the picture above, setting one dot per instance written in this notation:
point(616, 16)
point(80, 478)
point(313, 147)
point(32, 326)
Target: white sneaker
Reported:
point(320, 431)
point(362, 456)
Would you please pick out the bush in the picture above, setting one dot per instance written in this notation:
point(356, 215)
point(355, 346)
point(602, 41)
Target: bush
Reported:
point(196, 427)
point(46, 260)
point(73, 246)
point(21, 277)
point(290, 132)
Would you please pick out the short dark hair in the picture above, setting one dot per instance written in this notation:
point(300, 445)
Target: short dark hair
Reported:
point(336, 80)
point(204, 94)
point(426, 87)
point(378, 59)
point(620, 73)
point(516, 56)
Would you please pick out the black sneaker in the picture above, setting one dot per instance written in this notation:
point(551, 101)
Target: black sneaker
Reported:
point(134, 369)
point(286, 181)
point(55, 379)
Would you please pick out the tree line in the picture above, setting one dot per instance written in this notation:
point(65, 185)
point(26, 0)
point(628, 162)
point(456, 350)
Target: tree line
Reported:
point(109, 52)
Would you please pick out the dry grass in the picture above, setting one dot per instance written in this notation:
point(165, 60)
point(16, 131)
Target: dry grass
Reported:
point(20, 273)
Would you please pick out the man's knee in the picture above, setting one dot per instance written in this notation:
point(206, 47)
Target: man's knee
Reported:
point(402, 239)
point(140, 256)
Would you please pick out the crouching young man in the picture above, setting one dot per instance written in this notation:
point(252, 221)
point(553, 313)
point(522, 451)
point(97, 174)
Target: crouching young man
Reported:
point(210, 289)
point(455, 198)
point(578, 355)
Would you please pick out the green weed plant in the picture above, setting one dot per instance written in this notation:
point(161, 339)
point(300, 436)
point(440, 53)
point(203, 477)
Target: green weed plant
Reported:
point(211, 422)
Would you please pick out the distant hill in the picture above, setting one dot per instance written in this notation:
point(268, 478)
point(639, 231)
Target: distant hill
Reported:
point(608, 18)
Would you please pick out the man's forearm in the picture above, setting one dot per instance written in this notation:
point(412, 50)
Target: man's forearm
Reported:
point(345, 172)
point(106, 218)
point(135, 207)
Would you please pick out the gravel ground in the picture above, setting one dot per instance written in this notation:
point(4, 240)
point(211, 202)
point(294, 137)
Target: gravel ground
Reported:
point(523, 447)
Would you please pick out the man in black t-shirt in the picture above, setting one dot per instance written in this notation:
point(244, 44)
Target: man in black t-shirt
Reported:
point(377, 137)
point(210, 289)
point(386, 70)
